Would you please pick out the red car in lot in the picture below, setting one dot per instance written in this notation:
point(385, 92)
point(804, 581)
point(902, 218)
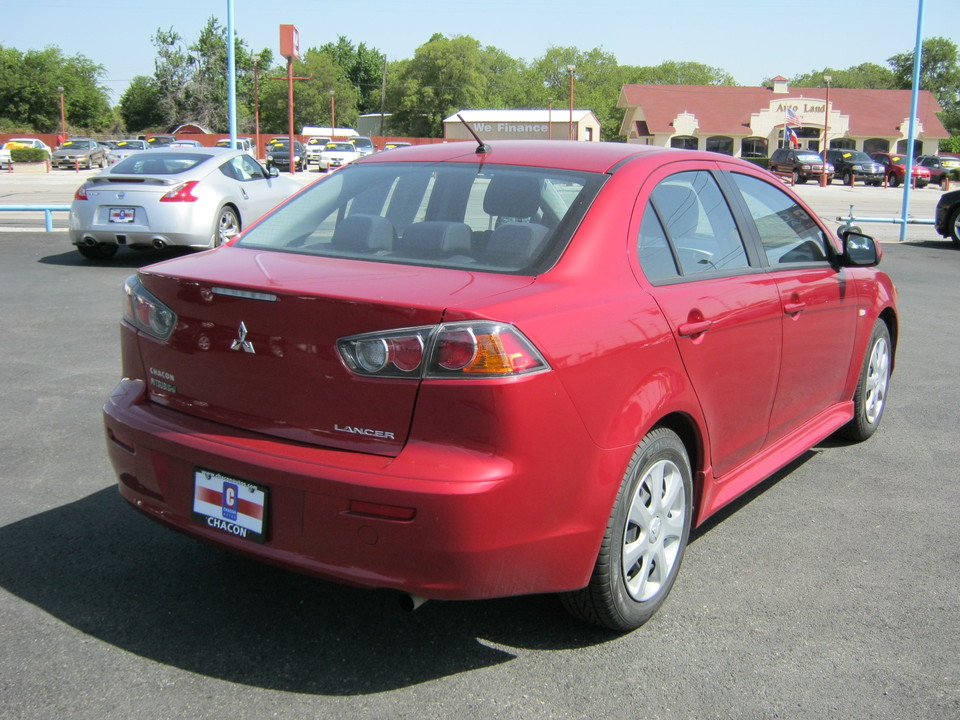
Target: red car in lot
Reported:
point(895, 167)
point(468, 371)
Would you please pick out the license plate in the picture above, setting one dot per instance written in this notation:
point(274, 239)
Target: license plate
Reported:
point(121, 215)
point(231, 505)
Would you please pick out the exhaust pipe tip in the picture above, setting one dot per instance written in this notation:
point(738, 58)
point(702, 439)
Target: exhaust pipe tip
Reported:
point(89, 241)
point(409, 603)
point(159, 244)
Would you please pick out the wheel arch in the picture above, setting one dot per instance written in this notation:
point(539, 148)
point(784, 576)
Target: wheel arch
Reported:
point(694, 441)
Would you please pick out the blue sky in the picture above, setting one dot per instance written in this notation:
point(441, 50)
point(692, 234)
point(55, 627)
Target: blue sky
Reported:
point(750, 40)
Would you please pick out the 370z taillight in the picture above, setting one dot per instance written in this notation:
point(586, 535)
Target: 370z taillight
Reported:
point(478, 349)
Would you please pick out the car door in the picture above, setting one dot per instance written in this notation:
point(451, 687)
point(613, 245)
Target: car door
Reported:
point(818, 301)
point(724, 311)
point(258, 191)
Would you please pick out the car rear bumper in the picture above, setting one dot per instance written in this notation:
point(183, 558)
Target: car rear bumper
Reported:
point(438, 521)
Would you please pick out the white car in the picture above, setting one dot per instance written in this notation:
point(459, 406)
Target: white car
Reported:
point(314, 147)
point(337, 154)
point(192, 197)
point(16, 143)
point(124, 149)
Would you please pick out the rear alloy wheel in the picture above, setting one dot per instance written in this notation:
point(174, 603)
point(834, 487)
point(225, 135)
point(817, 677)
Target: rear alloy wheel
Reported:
point(894, 180)
point(870, 398)
point(100, 251)
point(227, 227)
point(645, 538)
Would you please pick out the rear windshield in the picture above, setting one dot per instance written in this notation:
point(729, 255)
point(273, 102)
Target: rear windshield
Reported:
point(159, 162)
point(494, 218)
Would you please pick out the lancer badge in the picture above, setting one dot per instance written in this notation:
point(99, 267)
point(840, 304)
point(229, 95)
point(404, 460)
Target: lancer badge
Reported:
point(241, 343)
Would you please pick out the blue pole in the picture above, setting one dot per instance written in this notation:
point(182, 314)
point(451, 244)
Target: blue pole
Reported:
point(231, 76)
point(912, 131)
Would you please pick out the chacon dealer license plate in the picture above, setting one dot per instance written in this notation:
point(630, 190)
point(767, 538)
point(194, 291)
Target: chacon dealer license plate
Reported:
point(230, 505)
point(121, 215)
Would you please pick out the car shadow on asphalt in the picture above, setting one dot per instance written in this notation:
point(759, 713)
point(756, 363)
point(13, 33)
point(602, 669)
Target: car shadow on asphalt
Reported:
point(125, 258)
point(98, 566)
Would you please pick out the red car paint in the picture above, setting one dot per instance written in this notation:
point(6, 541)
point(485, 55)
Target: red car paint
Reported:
point(453, 488)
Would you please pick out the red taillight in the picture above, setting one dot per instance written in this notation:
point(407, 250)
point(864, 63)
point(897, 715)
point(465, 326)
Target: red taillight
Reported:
point(81, 193)
point(454, 350)
point(182, 193)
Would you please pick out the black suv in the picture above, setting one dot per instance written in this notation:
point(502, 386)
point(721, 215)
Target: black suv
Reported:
point(853, 165)
point(803, 165)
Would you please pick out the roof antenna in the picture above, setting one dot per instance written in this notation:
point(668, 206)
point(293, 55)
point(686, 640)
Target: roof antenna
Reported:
point(481, 146)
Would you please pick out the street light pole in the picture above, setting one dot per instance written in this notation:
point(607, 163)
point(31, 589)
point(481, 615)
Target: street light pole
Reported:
point(333, 113)
point(571, 69)
point(549, 118)
point(63, 117)
point(826, 128)
point(256, 103)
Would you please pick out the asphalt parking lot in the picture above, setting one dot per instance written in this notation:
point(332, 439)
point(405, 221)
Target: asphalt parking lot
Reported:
point(831, 591)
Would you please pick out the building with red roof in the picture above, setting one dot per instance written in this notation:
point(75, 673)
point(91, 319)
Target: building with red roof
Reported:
point(750, 121)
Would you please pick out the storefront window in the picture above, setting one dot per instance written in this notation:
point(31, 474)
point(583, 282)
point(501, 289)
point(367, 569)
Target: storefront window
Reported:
point(720, 144)
point(754, 147)
point(876, 145)
point(685, 142)
point(843, 144)
point(917, 147)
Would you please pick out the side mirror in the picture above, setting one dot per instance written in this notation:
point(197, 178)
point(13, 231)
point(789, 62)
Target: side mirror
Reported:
point(273, 172)
point(859, 250)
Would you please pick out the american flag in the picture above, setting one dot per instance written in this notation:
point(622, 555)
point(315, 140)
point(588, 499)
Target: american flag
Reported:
point(793, 118)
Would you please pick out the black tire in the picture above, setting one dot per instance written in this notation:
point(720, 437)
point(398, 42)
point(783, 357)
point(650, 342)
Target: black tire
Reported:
point(100, 251)
point(657, 489)
point(870, 397)
point(226, 227)
point(894, 181)
point(848, 178)
point(953, 226)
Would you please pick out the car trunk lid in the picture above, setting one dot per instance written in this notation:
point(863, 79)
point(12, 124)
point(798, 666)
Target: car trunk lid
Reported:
point(255, 344)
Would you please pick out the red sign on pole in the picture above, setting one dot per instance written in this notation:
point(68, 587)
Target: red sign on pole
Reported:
point(289, 42)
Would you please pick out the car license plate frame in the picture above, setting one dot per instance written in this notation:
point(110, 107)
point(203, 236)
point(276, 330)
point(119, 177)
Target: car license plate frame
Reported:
point(230, 505)
point(122, 215)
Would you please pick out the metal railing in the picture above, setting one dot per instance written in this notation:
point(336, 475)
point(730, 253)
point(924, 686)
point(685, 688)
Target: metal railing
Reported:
point(47, 211)
point(850, 220)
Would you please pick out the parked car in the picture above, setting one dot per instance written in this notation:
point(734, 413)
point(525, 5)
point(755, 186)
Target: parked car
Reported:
point(79, 152)
point(108, 144)
point(940, 166)
point(947, 218)
point(22, 143)
point(363, 144)
point(278, 154)
point(336, 154)
point(314, 146)
point(198, 198)
point(803, 165)
point(394, 144)
point(157, 141)
point(124, 149)
point(185, 143)
point(531, 370)
point(852, 165)
point(895, 169)
point(245, 144)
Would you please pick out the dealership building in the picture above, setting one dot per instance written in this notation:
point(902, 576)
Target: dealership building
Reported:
point(524, 125)
point(750, 121)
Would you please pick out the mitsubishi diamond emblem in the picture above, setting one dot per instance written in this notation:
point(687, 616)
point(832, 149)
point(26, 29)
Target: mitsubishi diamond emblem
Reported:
point(241, 343)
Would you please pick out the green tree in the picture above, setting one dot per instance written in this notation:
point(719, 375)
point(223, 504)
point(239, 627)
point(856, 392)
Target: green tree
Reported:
point(939, 73)
point(362, 67)
point(140, 107)
point(29, 95)
point(673, 72)
point(865, 75)
point(311, 97)
point(445, 75)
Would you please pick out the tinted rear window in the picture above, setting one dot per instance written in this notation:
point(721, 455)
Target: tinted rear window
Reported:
point(493, 218)
point(159, 162)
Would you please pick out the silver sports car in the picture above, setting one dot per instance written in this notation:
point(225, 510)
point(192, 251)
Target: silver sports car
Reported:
point(197, 198)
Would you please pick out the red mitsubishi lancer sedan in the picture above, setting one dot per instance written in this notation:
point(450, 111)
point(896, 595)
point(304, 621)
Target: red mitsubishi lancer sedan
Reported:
point(470, 371)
